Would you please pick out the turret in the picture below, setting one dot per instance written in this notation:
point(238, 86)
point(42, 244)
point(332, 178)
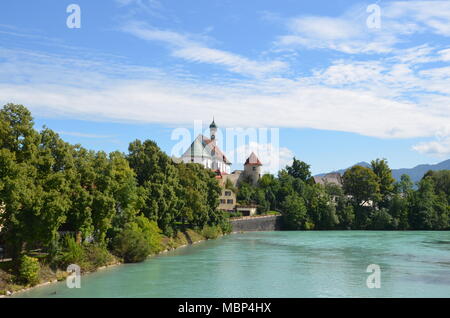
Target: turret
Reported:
point(252, 169)
point(213, 130)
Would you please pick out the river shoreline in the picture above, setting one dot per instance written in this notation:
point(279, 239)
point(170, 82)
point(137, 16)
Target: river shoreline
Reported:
point(52, 281)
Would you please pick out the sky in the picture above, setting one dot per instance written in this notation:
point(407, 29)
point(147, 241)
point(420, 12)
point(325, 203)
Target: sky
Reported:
point(340, 81)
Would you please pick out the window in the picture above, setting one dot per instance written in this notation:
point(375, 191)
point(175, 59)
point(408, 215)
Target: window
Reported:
point(222, 201)
point(227, 193)
point(254, 168)
point(230, 201)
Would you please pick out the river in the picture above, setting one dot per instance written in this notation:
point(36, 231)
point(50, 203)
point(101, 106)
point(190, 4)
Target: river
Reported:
point(280, 264)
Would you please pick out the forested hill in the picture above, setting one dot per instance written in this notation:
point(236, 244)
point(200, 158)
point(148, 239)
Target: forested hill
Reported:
point(415, 173)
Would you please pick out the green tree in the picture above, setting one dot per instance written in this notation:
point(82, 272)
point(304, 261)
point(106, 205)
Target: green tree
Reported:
point(157, 174)
point(299, 169)
point(381, 220)
point(422, 214)
point(294, 213)
point(385, 179)
point(362, 184)
point(405, 185)
point(346, 214)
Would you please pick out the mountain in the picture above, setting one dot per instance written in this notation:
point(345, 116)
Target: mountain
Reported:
point(342, 171)
point(415, 173)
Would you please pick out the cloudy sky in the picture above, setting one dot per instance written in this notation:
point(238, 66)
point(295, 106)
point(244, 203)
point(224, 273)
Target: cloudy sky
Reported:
point(341, 85)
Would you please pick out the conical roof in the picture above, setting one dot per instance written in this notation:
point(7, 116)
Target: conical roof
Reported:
point(213, 124)
point(252, 160)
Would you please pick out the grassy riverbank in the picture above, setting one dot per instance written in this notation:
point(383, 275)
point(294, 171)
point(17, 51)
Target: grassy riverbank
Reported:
point(10, 282)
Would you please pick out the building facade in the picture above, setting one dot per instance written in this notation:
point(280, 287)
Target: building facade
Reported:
point(205, 151)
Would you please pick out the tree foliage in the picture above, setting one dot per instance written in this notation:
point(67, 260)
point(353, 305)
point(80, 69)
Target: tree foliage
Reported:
point(51, 187)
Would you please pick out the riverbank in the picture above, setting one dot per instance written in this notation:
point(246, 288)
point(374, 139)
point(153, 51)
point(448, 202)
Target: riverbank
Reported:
point(9, 287)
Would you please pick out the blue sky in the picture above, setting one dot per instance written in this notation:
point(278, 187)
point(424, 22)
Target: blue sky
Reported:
point(339, 90)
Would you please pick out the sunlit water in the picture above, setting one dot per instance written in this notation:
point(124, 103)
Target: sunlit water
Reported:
point(281, 264)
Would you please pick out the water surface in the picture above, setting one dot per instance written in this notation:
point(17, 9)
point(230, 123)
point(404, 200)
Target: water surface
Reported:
point(281, 264)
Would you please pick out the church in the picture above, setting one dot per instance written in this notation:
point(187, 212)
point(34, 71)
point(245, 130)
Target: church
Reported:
point(205, 151)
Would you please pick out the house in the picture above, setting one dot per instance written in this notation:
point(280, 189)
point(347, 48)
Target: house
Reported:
point(330, 178)
point(247, 210)
point(227, 200)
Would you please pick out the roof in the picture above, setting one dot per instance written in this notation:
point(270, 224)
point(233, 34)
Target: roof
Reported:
point(205, 148)
point(332, 178)
point(213, 124)
point(253, 160)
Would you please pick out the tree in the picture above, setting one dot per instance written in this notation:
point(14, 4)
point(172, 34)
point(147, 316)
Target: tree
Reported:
point(299, 169)
point(362, 184)
point(132, 244)
point(35, 187)
point(381, 220)
point(405, 185)
point(385, 179)
point(346, 214)
point(295, 213)
point(423, 215)
point(157, 174)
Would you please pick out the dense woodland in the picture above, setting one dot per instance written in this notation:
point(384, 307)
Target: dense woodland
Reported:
point(59, 197)
point(75, 205)
point(370, 199)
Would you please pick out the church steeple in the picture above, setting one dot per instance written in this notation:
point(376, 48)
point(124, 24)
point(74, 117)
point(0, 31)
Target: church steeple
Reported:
point(213, 130)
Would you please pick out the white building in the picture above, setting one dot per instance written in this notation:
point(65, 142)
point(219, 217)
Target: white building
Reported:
point(205, 151)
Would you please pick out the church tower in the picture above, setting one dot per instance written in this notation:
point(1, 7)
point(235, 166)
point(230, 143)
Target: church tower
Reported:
point(213, 130)
point(252, 169)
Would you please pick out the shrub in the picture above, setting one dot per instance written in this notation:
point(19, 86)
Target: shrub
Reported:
point(29, 270)
point(211, 232)
point(97, 256)
point(73, 253)
point(152, 233)
point(132, 244)
point(381, 220)
point(226, 227)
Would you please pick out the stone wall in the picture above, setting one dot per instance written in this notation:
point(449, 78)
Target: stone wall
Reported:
point(257, 223)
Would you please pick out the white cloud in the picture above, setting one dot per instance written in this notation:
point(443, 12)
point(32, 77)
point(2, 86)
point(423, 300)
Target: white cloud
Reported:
point(430, 15)
point(193, 48)
point(84, 135)
point(436, 148)
point(350, 34)
point(271, 156)
point(396, 96)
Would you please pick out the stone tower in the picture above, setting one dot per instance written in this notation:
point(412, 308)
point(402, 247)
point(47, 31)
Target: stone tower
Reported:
point(252, 169)
point(213, 130)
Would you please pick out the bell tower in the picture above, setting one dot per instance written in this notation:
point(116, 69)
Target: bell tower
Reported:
point(213, 130)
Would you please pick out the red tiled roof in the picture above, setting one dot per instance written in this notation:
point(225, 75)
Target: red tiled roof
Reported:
point(253, 160)
point(215, 150)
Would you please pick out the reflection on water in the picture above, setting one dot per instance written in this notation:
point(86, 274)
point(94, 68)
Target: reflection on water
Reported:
point(281, 264)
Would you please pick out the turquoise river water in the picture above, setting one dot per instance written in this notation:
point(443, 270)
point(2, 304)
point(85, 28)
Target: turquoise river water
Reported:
point(280, 264)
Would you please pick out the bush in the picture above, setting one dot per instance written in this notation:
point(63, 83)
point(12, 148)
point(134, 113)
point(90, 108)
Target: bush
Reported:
point(226, 227)
point(152, 233)
point(97, 256)
point(211, 232)
point(132, 244)
point(73, 253)
point(29, 269)
point(381, 220)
